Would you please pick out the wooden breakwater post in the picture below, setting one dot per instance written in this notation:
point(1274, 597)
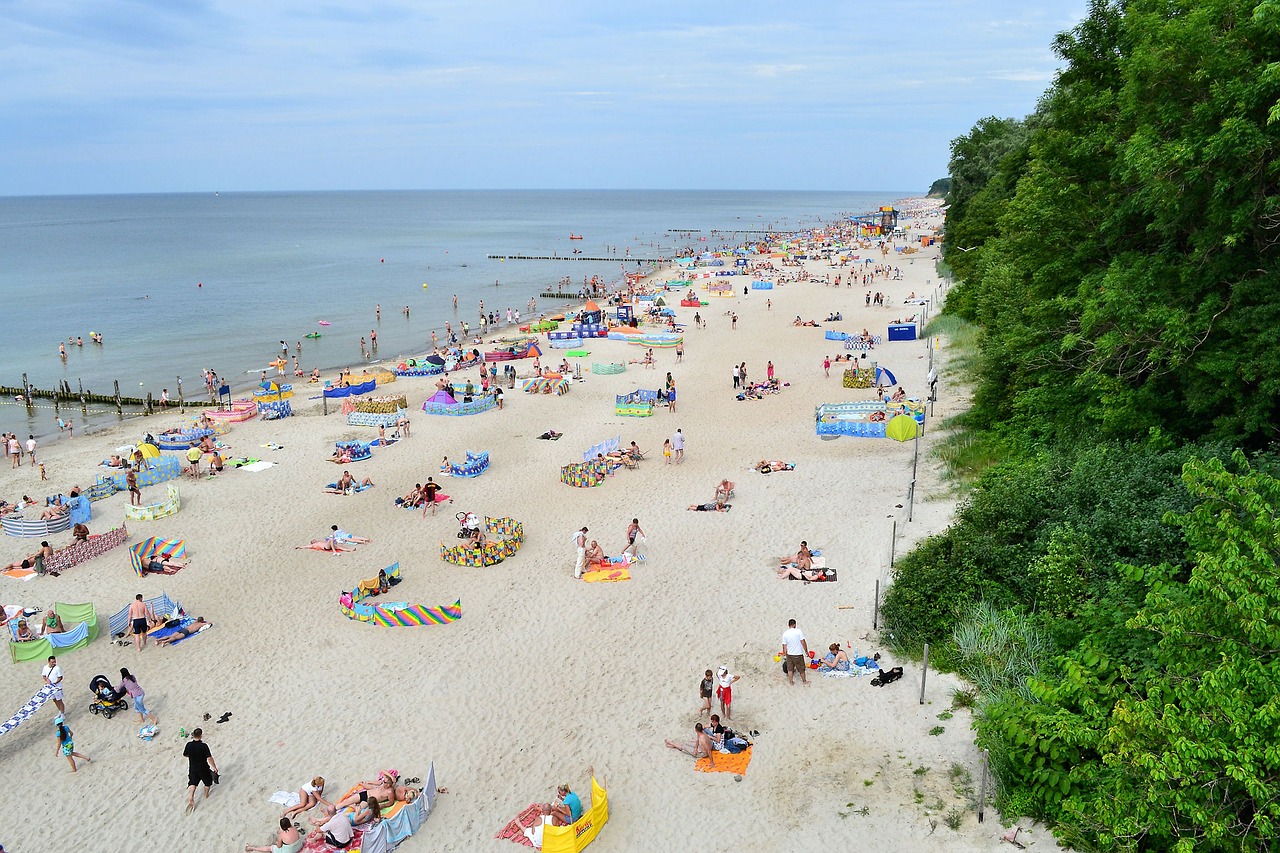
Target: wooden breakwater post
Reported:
point(119, 405)
point(80, 385)
point(26, 392)
point(182, 406)
point(149, 406)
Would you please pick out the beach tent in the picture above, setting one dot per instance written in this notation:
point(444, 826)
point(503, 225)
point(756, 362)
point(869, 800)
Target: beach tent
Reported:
point(154, 548)
point(902, 428)
point(884, 377)
point(442, 398)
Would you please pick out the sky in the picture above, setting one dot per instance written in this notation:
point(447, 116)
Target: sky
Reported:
point(123, 96)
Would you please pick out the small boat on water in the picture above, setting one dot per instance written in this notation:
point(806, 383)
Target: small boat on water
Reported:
point(575, 236)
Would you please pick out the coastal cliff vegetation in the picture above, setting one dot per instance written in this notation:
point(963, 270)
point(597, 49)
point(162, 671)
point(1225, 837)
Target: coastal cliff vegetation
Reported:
point(1111, 584)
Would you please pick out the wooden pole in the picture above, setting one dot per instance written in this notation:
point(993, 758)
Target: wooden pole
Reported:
point(80, 387)
point(924, 672)
point(875, 608)
point(26, 391)
point(119, 406)
point(148, 402)
point(182, 405)
point(982, 789)
point(893, 541)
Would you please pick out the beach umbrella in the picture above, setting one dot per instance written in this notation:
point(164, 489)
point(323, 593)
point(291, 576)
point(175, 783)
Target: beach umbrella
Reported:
point(434, 359)
point(902, 428)
point(149, 451)
point(885, 375)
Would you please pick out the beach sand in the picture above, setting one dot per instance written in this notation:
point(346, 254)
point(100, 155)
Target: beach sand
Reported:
point(543, 675)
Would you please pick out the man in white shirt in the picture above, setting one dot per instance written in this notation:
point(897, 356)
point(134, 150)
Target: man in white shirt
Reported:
point(31, 449)
point(52, 674)
point(580, 540)
point(677, 444)
point(796, 650)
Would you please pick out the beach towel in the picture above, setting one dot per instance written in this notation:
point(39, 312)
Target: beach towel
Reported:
point(359, 488)
point(527, 819)
point(288, 799)
point(255, 465)
point(607, 575)
point(19, 574)
point(727, 763)
point(242, 462)
point(28, 710)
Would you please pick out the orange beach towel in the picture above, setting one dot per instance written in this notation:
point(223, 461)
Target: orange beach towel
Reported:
point(732, 763)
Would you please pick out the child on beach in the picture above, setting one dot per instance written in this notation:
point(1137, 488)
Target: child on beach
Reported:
point(666, 450)
point(704, 692)
point(66, 744)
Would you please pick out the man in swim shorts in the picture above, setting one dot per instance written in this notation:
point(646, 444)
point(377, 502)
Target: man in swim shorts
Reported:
point(138, 621)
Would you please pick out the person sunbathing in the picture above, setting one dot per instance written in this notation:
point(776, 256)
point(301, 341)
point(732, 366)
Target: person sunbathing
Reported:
point(51, 512)
point(114, 461)
point(347, 484)
point(413, 497)
point(24, 563)
point(155, 564)
point(185, 631)
point(385, 794)
point(717, 506)
point(341, 456)
point(24, 632)
point(340, 535)
point(322, 544)
point(898, 396)
point(802, 559)
point(595, 554)
point(798, 574)
point(724, 491)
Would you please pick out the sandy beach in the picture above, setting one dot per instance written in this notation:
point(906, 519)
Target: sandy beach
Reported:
point(544, 675)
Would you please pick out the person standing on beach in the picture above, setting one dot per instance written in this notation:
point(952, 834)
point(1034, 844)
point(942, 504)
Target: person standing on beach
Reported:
point(826, 366)
point(677, 444)
point(138, 622)
point(666, 450)
point(796, 650)
point(736, 377)
point(697, 320)
point(680, 351)
point(724, 690)
point(633, 533)
point(733, 320)
point(31, 449)
point(52, 675)
point(704, 692)
point(768, 371)
point(580, 542)
point(130, 685)
point(131, 483)
point(429, 492)
point(201, 768)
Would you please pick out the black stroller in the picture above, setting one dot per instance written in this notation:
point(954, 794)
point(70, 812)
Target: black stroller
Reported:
point(105, 699)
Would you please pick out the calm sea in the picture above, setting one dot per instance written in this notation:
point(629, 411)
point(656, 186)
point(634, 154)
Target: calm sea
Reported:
point(177, 283)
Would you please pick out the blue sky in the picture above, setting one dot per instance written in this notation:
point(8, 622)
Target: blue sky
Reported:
point(102, 96)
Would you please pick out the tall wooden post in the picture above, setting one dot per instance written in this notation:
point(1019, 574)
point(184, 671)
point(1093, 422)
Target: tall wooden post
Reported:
point(119, 405)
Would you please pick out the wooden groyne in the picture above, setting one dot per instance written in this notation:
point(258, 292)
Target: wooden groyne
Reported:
point(29, 393)
point(552, 294)
point(622, 258)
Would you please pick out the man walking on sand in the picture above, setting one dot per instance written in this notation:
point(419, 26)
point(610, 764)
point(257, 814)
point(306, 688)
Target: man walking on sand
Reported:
point(52, 675)
point(677, 444)
point(796, 650)
point(580, 541)
point(201, 768)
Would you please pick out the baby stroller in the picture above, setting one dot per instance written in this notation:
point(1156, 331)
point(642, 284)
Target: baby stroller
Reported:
point(469, 522)
point(106, 701)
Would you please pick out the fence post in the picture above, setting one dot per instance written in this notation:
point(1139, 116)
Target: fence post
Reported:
point(924, 672)
point(982, 789)
point(875, 608)
point(893, 541)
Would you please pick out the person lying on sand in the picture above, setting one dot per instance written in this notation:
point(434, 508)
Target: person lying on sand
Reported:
point(185, 631)
point(386, 795)
point(155, 564)
point(322, 545)
point(765, 466)
point(340, 535)
point(799, 574)
point(717, 506)
point(550, 435)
